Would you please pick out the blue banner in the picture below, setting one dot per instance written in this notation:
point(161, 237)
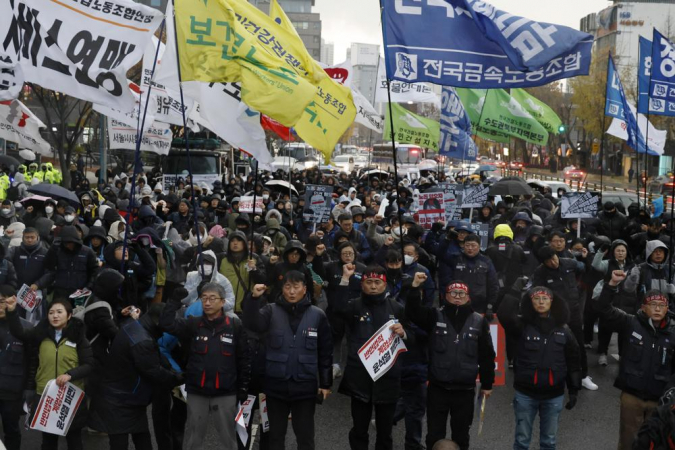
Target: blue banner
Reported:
point(662, 81)
point(614, 97)
point(456, 139)
point(469, 43)
point(644, 72)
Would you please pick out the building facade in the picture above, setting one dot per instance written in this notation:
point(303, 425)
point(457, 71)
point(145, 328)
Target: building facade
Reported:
point(364, 59)
point(327, 53)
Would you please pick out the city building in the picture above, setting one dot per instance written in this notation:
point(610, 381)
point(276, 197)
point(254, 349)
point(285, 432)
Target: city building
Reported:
point(307, 23)
point(327, 53)
point(364, 59)
point(158, 4)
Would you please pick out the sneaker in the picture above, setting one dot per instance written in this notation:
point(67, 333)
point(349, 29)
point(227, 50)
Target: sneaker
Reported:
point(602, 359)
point(337, 371)
point(595, 329)
point(588, 384)
point(588, 346)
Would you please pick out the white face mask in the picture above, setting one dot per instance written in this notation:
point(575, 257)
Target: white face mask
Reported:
point(49, 209)
point(69, 218)
point(6, 212)
point(266, 196)
point(208, 270)
point(408, 259)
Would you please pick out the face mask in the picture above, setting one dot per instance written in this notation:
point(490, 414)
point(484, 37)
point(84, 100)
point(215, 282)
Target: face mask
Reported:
point(145, 241)
point(408, 260)
point(208, 270)
point(266, 196)
point(49, 209)
point(6, 212)
point(122, 235)
point(69, 218)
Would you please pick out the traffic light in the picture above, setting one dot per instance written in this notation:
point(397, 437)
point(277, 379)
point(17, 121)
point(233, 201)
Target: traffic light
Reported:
point(561, 129)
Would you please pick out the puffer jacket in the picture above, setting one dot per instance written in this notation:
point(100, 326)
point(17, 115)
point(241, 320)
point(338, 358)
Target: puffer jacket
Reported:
point(194, 280)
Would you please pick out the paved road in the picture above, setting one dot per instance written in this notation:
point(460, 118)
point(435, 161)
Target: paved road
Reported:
point(593, 424)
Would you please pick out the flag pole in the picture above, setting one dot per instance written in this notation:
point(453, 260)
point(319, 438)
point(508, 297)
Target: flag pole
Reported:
point(637, 138)
point(137, 153)
point(187, 144)
point(393, 142)
point(602, 131)
point(637, 127)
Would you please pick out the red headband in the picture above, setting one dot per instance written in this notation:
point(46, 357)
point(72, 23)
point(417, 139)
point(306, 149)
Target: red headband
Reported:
point(379, 276)
point(541, 292)
point(457, 286)
point(655, 298)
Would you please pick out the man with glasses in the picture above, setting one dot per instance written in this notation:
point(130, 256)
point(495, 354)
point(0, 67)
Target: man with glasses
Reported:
point(460, 349)
point(219, 364)
point(476, 271)
point(647, 363)
point(299, 357)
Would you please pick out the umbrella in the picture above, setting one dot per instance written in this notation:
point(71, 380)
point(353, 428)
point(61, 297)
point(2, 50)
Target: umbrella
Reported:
point(283, 184)
point(370, 173)
point(55, 191)
point(9, 161)
point(27, 154)
point(510, 186)
point(37, 198)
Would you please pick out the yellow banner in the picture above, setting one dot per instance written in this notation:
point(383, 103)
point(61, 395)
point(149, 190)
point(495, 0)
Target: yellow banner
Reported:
point(332, 110)
point(231, 40)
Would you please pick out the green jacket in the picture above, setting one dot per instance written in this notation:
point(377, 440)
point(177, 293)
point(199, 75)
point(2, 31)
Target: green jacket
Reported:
point(238, 277)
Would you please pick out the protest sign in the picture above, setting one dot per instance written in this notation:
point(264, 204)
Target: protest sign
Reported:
point(577, 205)
point(57, 408)
point(317, 203)
point(430, 208)
point(452, 201)
point(244, 417)
point(482, 230)
point(475, 196)
point(156, 139)
point(379, 354)
point(499, 343)
point(28, 299)
point(264, 418)
point(246, 204)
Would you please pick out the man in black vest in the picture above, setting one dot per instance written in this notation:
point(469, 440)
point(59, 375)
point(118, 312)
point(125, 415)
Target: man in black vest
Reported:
point(365, 315)
point(219, 364)
point(647, 362)
point(299, 357)
point(459, 343)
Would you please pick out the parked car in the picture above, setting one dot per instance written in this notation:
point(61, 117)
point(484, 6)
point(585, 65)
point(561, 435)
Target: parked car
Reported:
point(574, 174)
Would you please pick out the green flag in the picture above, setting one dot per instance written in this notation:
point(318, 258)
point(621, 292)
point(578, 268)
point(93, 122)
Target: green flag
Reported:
point(410, 128)
point(503, 113)
point(473, 100)
point(538, 109)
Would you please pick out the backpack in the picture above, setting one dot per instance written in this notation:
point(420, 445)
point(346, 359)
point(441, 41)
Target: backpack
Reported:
point(80, 311)
point(13, 193)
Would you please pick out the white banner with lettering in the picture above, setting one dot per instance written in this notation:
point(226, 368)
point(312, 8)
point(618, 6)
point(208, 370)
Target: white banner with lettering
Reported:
point(57, 408)
point(379, 354)
point(156, 139)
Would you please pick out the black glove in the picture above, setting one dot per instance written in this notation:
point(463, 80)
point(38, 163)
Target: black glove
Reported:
point(178, 295)
point(489, 315)
point(242, 395)
point(437, 227)
point(572, 401)
point(604, 248)
point(29, 397)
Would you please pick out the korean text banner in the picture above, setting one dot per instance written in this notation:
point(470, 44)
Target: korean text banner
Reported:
point(538, 109)
point(473, 101)
point(231, 40)
point(644, 72)
point(366, 114)
point(619, 109)
point(504, 114)
point(156, 139)
point(469, 43)
point(455, 139)
point(18, 124)
point(662, 80)
point(81, 48)
point(410, 128)
point(402, 91)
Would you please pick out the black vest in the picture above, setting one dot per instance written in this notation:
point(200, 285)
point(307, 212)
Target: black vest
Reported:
point(12, 364)
point(476, 278)
point(540, 360)
point(646, 362)
point(293, 356)
point(454, 356)
point(364, 328)
point(212, 368)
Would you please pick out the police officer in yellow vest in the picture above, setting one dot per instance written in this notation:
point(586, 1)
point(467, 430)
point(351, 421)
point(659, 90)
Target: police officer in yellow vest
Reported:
point(32, 169)
point(4, 184)
point(40, 174)
point(50, 175)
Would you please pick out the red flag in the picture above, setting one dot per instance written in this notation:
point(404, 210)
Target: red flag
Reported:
point(270, 124)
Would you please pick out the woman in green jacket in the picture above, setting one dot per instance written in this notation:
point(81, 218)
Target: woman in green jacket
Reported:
point(64, 354)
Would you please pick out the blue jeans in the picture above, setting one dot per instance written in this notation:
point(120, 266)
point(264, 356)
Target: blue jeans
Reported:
point(526, 409)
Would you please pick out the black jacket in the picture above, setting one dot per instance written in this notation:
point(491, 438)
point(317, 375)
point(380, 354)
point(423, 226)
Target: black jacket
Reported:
point(562, 281)
point(15, 364)
point(281, 268)
point(70, 270)
point(509, 261)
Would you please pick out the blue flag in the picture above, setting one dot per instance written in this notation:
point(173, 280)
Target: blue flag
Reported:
point(658, 207)
point(644, 72)
point(456, 139)
point(469, 43)
point(662, 81)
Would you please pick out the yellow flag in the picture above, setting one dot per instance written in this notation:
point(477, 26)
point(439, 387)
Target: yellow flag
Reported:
point(231, 40)
point(332, 110)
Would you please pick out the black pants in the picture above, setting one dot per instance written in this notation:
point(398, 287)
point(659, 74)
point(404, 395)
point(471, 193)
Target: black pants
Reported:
point(302, 412)
point(142, 441)
point(10, 412)
point(73, 439)
point(456, 403)
point(577, 328)
point(384, 422)
point(168, 419)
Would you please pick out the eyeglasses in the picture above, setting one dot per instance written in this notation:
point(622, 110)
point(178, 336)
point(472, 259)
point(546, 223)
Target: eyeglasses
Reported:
point(458, 294)
point(658, 305)
point(211, 299)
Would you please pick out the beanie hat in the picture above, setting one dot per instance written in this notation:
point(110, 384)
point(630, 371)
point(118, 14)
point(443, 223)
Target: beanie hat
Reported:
point(503, 230)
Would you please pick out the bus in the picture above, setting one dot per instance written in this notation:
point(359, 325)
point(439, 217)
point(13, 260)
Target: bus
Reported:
point(407, 156)
point(206, 167)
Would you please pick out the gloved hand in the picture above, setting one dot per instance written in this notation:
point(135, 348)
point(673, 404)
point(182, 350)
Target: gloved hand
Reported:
point(29, 397)
point(178, 295)
point(437, 227)
point(604, 248)
point(489, 315)
point(242, 395)
point(572, 402)
point(670, 289)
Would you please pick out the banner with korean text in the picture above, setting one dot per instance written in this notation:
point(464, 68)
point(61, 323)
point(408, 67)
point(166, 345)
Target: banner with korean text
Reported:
point(57, 408)
point(380, 352)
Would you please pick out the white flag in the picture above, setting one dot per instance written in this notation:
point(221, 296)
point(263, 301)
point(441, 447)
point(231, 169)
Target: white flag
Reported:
point(657, 138)
point(402, 92)
point(157, 139)
point(366, 114)
point(82, 49)
point(18, 124)
point(342, 73)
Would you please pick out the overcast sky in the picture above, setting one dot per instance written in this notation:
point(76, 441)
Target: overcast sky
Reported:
point(347, 21)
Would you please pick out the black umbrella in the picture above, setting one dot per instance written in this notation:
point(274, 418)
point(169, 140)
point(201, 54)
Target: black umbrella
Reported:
point(9, 161)
point(510, 186)
point(55, 191)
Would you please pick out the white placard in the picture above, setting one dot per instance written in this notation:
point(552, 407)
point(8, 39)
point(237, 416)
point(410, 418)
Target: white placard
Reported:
point(577, 205)
point(156, 139)
point(263, 413)
point(28, 299)
point(57, 408)
point(379, 354)
point(244, 417)
point(246, 204)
